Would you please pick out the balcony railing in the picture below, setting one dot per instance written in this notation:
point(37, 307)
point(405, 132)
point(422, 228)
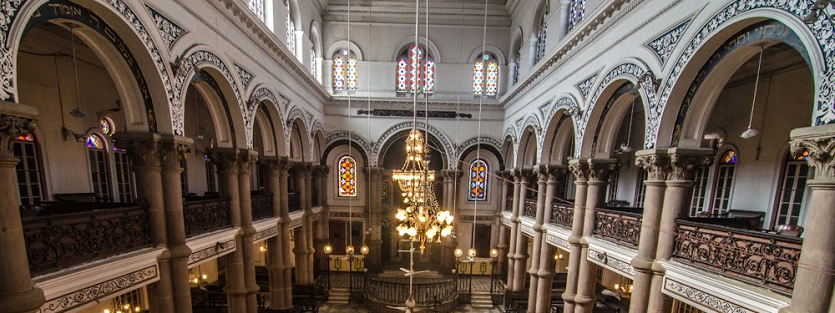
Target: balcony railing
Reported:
point(60, 241)
point(262, 207)
point(383, 293)
point(206, 216)
point(562, 215)
point(757, 257)
point(508, 204)
point(618, 226)
point(529, 210)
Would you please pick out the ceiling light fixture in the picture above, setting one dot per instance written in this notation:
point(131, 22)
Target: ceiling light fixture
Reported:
point(77, 112)
point(751, 132)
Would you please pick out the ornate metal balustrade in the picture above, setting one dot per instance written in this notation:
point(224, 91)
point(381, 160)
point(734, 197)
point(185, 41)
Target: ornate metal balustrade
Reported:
point(205, 216)
point(508, 204)
point(618, 226)
point(757, 257)
point(562, 215)
point(529, 208)
point(262, 207)
point(60, 241)
point(382, 292)
point(294, 202)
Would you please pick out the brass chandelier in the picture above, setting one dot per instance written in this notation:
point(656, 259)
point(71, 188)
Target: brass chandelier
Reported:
point(421, 218)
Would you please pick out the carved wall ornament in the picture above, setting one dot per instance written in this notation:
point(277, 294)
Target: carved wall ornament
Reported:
point(664, 44)
point(821, 152)
point(225, 160)
point(171, 153)
point(244, 75)
point(585, 85)
point(601, 171)
point(10, 127)
point(101, 290)
point(657, 166)
point(702, 298)
point(447, 145)
point(580, 170)
point(682, 167)
point(141, 153)
point(168, 30)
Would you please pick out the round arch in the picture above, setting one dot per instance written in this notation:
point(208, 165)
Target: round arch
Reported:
point(264, 101)
point(528, 148)
point(443, 140)
point(408, 41)
point(491, 145)
point(341, 44)
point(488, 49)
point(299, 141)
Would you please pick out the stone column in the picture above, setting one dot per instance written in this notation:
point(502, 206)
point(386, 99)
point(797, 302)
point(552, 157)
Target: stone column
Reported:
point(563, 25)
point(598, 179)
point(538, 235)
point(300, 244)
point(227, 163)
point(677, 197)
point(449, 244)
point(581, 172)
point(246, 159)
point(172, 149)
point(142, 148)
point(308, 222)
point(521, 254)
point(275, 260)
point(514, 226)
point(17, 293)
point(284, 233)
point(546, 252)
point(321, 237)
point(506, 183)
point(814, 282)
point(657, 165)
point(532, 53)
point(374, 261)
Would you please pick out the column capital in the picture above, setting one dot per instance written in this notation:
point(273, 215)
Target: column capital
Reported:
point(141, 147)
point(321, 170)
point(683, 162)
point(819, 142)
point(655, 162)
point(525, 173)
point(15, 119)
point(274, 163)
point(302, 168)
point(246, 159)
point(451, 174)
point(172, 149)
point(580, 170)
point(600, 169)
point(375, 170)
point(226, 159)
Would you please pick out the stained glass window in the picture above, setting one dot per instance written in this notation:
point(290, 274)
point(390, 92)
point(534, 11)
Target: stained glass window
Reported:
point(313, 62)
point(94, 142)
point(345, 67)
point(478, 181)
point(724, 182)
point(576, 13)
point(486, 76)
point(26, 137)
point(290, 32)
point(257, 6)
point(347, 176)
point(106, 126)
point(516, 68)
point(541, 35)
point(413, 70)
point(729, 157)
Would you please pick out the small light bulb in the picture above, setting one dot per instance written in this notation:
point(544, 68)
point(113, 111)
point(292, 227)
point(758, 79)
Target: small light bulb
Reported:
point(458, 252)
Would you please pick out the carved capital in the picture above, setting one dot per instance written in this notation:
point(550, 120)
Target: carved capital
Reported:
point(656, 165)
point(579, 169)
point(270, 164)
point(682, 166)
point(246, 160)
point(12, 126)
point(141, 153)
point(225, 159)
point(301, 168)
point(171, 153)
point(600, 170)
point(323, 170)
point(821, 154)
point(542, 172)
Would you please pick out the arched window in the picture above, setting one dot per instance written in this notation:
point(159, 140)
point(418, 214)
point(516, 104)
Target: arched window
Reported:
point(313, 62)
point(28, 169)
point(99, 169)
point(724, 181)
point(290, 32)
point(791, 191)
point(542, 34)
point(413, 70)
point(257, 6)
point(478, 181)
point(486, 76)
point(576, 13)
point(106, 126)
point(345, 69)
point(347, 177)
point(516, 67)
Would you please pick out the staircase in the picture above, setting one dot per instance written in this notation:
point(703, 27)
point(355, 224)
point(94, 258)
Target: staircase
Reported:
point(481, 301)
point(339, 296)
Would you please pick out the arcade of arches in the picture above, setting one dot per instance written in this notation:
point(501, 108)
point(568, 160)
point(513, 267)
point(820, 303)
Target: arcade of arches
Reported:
point(241, 155)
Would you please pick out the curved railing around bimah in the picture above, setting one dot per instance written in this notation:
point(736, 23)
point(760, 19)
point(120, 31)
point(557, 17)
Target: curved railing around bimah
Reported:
point(262, 207)
point(382, 293)
point(757, 257)
point(619, 225)
point(562, 214)
point(529, 210)
point(59, 241)
point(205, 216)
point(508, 204)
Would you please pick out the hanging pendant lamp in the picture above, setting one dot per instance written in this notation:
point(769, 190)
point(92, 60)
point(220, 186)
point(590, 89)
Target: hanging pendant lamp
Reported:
point(624, 147)
point(77, 112)
point(751, 132)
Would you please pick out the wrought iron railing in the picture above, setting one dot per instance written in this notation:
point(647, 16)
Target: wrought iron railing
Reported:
point(529, 210)
point(381, 294)
point(497, 289)
point(618, 226)
point(562, 215)
point(262, 207)
point(508, 204)
point(60, 241)
point(752, 256)
point(205, 216)
point(294, 202)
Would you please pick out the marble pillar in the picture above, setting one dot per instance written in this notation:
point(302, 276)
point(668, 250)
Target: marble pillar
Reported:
point(598, 180)
point(17, 293)
point(308, 223)
point(677, 197)
point(813, 285)
point(521, 254)
point(275, 260)
point(580, 170)
point(300, 234)
point(246, 161)
point(514, 226)
point(373, 261)
point(657, 166)
point(546, 252)
point(321, 237)
point(227, 162)
point(538, 235)
point(143, 151)
point(172, 150)
point(284, 232)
